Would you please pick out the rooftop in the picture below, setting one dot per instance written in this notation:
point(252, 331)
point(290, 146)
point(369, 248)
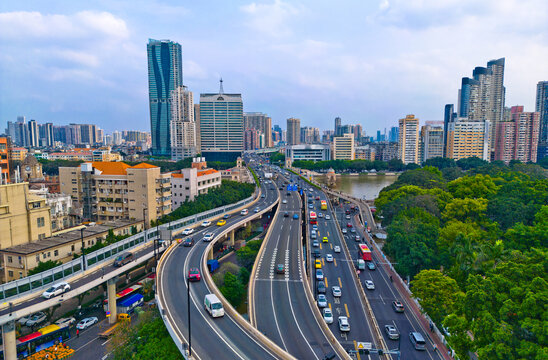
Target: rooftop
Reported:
point(207, 172)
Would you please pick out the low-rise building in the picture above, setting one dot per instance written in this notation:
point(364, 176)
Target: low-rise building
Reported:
point(365, 152)
point(238, 173)
point(194, 181)
point(18, 153)
point(308, 152)
point(343, 147)
point(4, 160)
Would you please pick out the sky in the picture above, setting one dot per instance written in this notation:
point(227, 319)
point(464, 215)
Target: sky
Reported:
point(368, 62)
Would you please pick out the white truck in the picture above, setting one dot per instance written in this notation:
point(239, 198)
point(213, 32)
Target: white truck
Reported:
point(213, 305)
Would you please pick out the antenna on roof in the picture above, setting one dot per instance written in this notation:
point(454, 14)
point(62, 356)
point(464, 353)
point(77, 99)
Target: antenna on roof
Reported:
point(221, 91)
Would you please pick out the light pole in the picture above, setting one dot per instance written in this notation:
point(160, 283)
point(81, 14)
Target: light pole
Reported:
point(83, 254)
point(188, 311)
point(144, 219)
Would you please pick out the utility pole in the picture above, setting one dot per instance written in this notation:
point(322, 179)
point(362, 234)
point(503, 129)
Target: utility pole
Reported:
point(188, 311)
point(83, 247)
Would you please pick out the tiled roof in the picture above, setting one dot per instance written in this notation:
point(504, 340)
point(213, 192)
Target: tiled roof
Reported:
point(207, 172)
point(143, 166)
point(111, 167)
point(176, 175)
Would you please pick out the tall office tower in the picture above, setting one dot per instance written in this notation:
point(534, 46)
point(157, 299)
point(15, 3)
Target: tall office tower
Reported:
point(74, 134)
point(518, 139)
point(261, 122)
point(293, 131)
point(45, 134)
point(431, 140)
point(343, 147)
point(379, 136)
point(408, 144)
point(345, 129)
point(33, 133)
point(183, 127)
point(197, 121)
point(19, 132)
point(541, 106)
point(449, 117)
point(165, 74)
point(468, 138)
point(337, 126)
point(221, 125)
point(393, 134)
point(88, 134)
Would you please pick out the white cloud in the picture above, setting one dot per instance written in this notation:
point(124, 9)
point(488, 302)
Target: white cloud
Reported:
point(270, 19)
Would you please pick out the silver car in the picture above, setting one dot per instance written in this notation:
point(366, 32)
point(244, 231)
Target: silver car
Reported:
point(336, 290)
point(369, 285)
point(56, 289)
point(392, 332)
point(328, 315)
point(344, 325)
point(322, 301)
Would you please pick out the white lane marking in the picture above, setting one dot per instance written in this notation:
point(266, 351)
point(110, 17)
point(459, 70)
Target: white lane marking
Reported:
point(297, 323)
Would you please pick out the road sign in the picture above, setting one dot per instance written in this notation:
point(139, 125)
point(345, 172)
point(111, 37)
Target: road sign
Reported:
point(108, 313)
point(364, 346)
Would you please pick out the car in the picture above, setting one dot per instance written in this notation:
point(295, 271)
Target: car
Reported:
point(226, 216)
point(347, 217)
point(319, 274)
point(329, 258)
point(328, 315)
point(188, 231)
point(322, 301)
point(123, 259)
point(286, 214)
point(284, 201)
point(321, 287)
point(317, 198)
point(318, 264)
point(87, 322)
point(208, 237)
point(369, 285)
point(311, 206)
point(35, 319)
point(62, 322)
point(344, 325)
point(221, 222)
point(320, 215)
point(348, 225)
point(263, 196)
point(206, 223)
point(353, 231)
point(336, 290)
point(398, 306)
point(337, 248)
point(316, 253)
point(296, 216)
point(281, 188)
point(311, 190)
point(315, 227)
point(371, 265)
point(315, 243)
point(194, 274)
point(358, 238)
point(392, 332)
point(188, 242)
point(288, 193)
point(56, 289)
point(325, 239)
point(24, 319)
point(257, 210)
point(344, 231)
point(327, 217)
point(280, 269)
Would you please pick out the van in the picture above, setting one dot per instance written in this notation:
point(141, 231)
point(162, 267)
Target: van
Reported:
point(123, 259)
point(417, 340)
point(313, 234)
point(213, 305)
point(244, 212)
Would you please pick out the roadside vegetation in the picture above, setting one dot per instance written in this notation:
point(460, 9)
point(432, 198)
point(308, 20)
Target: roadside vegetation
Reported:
point(473, 238)
point(353, 165)
point(277, 158)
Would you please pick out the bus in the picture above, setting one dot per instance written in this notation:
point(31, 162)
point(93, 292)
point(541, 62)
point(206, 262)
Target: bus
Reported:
point(324, 204)
point(123, 294)
point(313, 218)
point(364, 252)
point(41, 339)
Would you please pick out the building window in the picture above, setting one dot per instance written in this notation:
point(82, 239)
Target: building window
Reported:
point(40, 221)
point(20, 274)
point(10, 273)
point(37, 258)
point(56, 253)
point(49, 253)
point(10, 259)
point(44, 255)
point(72, 248)
point(35, 205)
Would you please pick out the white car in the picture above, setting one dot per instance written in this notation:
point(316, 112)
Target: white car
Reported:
point(322, 301)
point(369, 285)
point(329, 258)
point(36, 319)
point(328, 315)
point(206, 223)
point(56, 289)
point(208, 237)
point(65, 322)
point(87, 322)
point(336, 291)
point(188, 231)
point(24, 319)
point(337, 248)
point(327, 217)
point(344, 325)
point(284, 201)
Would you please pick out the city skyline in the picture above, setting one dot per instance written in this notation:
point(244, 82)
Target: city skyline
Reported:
point(87, 65)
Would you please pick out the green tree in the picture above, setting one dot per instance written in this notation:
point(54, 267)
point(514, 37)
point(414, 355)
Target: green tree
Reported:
point(470, 163)
point(478, 186)
point(437, 293)
point(465, 209)
point(440, 163)
point(233, 290)
point(43, 266)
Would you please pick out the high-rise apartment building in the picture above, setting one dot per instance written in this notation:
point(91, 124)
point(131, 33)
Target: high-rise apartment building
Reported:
point(345, 129)
point(197, 121)
point(343, 147)
point(337, 126)
point(449, 116)
point(183, 126)
point(357, 131)
point(221, 126)
point(33, 133)
point(431, 140)
point(260, 122)
point(541, 106)
point(310, 135)
point(408, 149)
point(468, 138)
point(293, 131)
point(4, 160)
point(165, 74)
point(252, 139)
point(518, 139)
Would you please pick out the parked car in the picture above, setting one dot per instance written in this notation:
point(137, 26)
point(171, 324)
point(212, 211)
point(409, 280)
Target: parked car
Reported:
point(188, 231)
point(188, 242)
point(62, 322)
point(123, 259)
point(206, 223)
point(369, 285)
point(194, 274)
point(344, 325)
point(87, 322)
point(322, 301)
point(328, 315)
point(337, 248)
point(208, 237)
point(56, 289)
point(336, 290)
point(392, 332)
point(329, 258)
point(398, 306)
point(36, 319)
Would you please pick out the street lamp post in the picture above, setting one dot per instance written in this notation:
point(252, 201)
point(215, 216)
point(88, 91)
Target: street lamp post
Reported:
point(83, 254)
point(144, 219)
point(188, 311)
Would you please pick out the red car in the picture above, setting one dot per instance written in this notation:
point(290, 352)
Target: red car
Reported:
point(348, 225)
point(194, 274)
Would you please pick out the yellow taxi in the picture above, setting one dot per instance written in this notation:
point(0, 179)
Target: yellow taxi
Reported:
point(325, 239)
point(318, 263)
point(221, 222)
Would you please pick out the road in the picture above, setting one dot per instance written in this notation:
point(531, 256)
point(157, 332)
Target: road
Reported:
point(385, 292)
point(220, 338)
point(281, 309)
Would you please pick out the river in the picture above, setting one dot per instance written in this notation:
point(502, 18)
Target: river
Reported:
point(362, 185)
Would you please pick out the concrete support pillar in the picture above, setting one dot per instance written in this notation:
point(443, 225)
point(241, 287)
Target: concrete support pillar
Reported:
point(210, 254)
point(231, 239)
point(111, 291)
point(8, 336)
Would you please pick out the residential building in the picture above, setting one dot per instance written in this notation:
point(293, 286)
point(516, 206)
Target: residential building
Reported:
point(221, 125)
point(449, 116)
point(357, 130)
point(252, 139)
point(260, 122)
point(194, 181)
point(24, 217)
point(165, 74)
point(385, 151)
point(343, 147)
point(4, 160)
point(109, 191)
point(238, 173)
point(327, 136)
point(541, 106)
point(293, 131)
point(310, 135)
point(337, 126)
point(345, 129)
point(468, 138)
point(408, 149)
point(308, 152)
point(366, 152)
point(18, 153)
point(198, 127)
point(60, 204)
point(45, 133)
point(518, 139)
point(33, 133)
point(183, 127)
point(431, 140)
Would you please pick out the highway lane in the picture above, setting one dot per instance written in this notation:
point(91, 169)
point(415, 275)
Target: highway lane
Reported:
point(281, 309)
point(381, 298)
point(340, 273)
point(211, 338)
